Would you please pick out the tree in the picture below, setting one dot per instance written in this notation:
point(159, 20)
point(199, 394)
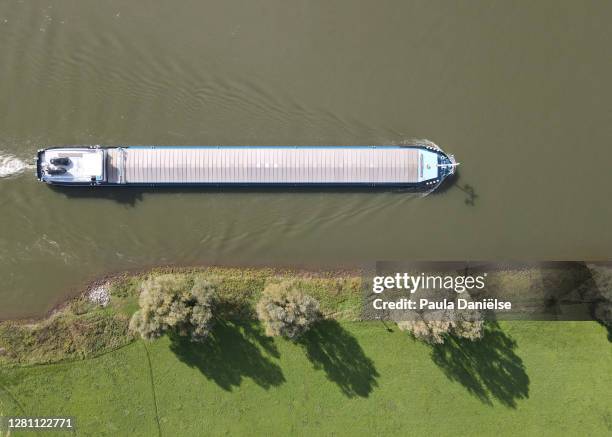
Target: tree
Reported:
point(433, 326)
point(286, 311)
point(435, 331)
point(169, 303)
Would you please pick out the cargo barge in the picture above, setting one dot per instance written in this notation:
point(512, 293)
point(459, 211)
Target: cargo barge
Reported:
point(421, 166)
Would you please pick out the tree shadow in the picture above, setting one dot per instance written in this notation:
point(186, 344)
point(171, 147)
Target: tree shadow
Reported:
point(233, 351)
point(332, 348)
point(255, 334)
point(489, 369)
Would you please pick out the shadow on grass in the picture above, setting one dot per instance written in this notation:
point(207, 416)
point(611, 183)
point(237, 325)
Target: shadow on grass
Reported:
point(233, 352)
point(332, 348)
point(489, 368)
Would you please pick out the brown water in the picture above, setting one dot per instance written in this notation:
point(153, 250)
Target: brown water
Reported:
point(518, 91)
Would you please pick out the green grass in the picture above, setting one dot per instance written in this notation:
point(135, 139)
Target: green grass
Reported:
point(343, 378)
point(347, 378)
point(65, 336)
point(108, 395)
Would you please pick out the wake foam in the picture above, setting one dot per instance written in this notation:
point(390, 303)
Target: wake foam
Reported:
point(10, 165)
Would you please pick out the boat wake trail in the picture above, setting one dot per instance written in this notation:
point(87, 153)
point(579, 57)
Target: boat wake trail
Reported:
point(10, 165)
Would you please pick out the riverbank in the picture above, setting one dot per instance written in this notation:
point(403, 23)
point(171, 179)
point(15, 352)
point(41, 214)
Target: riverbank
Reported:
point(345, 376)
point(96, 321)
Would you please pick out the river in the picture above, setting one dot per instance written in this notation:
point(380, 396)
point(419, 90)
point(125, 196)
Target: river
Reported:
point(518, 91)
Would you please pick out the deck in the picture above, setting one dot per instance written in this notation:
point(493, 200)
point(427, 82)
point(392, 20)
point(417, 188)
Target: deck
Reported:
point(263, 165)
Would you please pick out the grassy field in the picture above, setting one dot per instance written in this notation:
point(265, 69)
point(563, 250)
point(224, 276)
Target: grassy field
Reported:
point(349, 378)
point(345, 377)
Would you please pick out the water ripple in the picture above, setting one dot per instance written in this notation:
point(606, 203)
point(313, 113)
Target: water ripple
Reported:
point(10, 165)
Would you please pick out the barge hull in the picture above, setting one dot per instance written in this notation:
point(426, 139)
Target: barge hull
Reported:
point(239, 166)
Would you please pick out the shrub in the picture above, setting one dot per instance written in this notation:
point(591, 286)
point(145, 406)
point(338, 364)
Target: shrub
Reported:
point(170, 303)
point(434, 327)
point(286, 311)
point(435, 331)
point(432, 331)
